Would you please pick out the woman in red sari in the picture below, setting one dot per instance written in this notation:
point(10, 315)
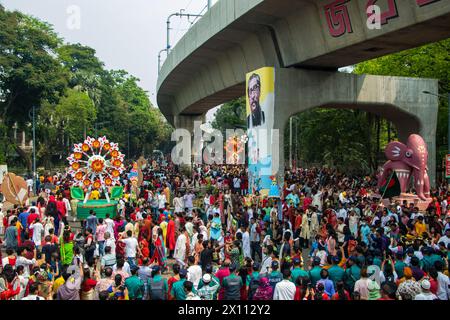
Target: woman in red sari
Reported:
point(170, 237)
point(143, 244)
point(160, 253)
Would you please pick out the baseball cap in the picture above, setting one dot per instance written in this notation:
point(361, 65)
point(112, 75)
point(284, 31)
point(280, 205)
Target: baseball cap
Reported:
point(425, 284)
point(316, 260)
point(296, 260)
point(206, 278)
point(275, 264)
point(134, 268)
point(156, 268)
point(183, 272)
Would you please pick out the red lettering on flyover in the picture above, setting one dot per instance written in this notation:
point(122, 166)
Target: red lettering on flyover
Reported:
point(338, 19)
point(422, 3)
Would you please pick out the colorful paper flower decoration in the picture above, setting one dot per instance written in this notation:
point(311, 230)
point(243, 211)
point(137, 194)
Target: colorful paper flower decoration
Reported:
point(97, 163)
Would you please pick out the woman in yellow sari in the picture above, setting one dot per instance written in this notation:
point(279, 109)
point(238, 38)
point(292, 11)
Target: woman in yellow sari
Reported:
point(19, 228)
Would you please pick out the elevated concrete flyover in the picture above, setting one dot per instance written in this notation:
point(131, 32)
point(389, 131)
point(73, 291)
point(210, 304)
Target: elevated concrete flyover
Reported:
point(306, 41)
point(207, 67)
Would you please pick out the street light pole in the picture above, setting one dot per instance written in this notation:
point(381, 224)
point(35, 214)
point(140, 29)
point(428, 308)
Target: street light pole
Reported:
point(177, 14)
point(290, 143)
point(448, 122)
point(34, 149)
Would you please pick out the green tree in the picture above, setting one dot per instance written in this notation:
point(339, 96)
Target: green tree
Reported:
point(78, 113)
point(429, 61)
point(231, 115)
point(29, 72)
point(86, 70)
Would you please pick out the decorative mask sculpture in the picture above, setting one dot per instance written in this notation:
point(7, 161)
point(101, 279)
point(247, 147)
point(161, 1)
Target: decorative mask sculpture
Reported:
point(408, 160)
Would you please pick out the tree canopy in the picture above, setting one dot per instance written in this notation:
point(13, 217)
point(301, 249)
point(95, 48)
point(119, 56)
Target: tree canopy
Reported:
point(74, 93)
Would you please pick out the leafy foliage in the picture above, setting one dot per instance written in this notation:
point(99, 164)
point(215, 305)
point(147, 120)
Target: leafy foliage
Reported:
point(429, 61)
point(74, 93)
point(231, 115)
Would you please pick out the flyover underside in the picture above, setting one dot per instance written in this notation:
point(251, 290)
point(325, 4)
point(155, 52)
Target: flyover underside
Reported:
point(397, 99)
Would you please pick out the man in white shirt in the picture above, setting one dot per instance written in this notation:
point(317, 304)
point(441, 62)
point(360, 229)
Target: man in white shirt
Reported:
point(426, 294)
point(443, 291)
point(131, 248)
point(38, 229)
point(237, 184)
point(26, 263)
point(161, 200)
point(266, 263)
point(246, 242)
point(68, 207)
point(250, 213)
point(285, 290)
point(109, 226)
point(110, 242)
point(30, 186)
point(194, 272)
point(341, 213)
point(1, 222)
point(445, 239)
point(33, 292)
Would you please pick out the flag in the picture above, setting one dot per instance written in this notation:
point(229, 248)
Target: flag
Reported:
point(116, 192)
point(77, 193)
point(391, 188)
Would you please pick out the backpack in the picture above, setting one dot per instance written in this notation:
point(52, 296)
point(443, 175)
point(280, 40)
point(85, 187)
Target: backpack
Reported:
point(120, 248)
point(274, 279)
point(157, 290)
point(252, 287)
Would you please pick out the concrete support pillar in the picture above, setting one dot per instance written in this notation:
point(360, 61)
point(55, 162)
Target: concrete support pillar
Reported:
point(187, 122)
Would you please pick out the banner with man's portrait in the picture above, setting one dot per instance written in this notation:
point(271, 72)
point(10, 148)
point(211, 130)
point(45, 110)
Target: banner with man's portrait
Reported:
point(260, 101)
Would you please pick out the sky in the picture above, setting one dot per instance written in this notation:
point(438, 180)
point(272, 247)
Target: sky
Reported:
point(127, 34)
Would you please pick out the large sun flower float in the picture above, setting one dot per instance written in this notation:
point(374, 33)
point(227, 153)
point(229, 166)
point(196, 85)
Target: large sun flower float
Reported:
point(96, 163)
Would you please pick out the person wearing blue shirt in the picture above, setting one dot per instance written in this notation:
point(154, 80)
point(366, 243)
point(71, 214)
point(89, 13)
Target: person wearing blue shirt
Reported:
point(327, 283)
point(23, 216)
point(365, 232)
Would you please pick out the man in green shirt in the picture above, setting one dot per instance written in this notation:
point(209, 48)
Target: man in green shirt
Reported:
point(210, 287)
point(314, 273)
point(352, 274)
point(275, 276)
point(208, 270)
point(253, 280)
point(335, 272)
point(135, 285)
point(297, 271)
point(158, 287)
point(399, 265)
point(178, 291)
point(232, 284)
point(429, 258)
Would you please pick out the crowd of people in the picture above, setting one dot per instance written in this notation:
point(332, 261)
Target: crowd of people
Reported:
point(203, 236)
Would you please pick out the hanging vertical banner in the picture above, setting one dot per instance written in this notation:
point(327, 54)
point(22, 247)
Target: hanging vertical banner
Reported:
point(447, 166)
point(260, 102)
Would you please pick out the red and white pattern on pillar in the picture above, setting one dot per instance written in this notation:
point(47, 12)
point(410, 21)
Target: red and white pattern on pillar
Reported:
point(422, 3)
point(390, 13)
point(338, 18)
